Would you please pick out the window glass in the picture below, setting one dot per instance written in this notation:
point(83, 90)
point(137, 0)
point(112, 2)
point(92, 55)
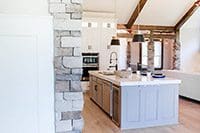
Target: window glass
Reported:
point(144, 54)
point(157, 54)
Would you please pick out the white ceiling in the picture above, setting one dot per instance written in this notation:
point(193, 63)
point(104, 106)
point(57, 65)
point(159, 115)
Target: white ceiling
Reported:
point(164, 12)
point(155, 12)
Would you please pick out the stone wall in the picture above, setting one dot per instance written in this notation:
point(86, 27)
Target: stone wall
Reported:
point(151, 55)
point(176, 55)
point(128, 54)
point(67, 64)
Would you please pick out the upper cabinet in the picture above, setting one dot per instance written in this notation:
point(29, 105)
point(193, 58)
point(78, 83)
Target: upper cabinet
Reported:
point(97, 31)
point(90, 36)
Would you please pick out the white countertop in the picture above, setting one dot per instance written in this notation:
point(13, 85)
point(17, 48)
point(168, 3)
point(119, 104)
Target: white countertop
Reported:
point(183, 72)
point(135, 80)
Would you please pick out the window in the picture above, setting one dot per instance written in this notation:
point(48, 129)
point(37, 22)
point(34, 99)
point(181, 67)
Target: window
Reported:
point(158, 55)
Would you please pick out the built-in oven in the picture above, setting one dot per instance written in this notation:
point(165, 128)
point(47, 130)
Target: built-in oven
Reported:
point(90, 62)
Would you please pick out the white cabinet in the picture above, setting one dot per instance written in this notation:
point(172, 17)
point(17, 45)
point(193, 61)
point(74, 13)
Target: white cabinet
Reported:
point(190, 83)
point(106, 36)
point(27, 78)
point(90, 37)
point(97, 32)
point(148, 106)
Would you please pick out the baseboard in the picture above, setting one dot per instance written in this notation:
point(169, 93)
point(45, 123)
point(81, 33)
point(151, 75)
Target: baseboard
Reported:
point(189, 99)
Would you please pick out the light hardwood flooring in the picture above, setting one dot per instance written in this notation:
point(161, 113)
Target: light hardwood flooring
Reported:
point(96, 121)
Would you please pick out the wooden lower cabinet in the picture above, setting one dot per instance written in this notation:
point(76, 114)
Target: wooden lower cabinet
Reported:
point(99, 94)
point(107, 97)
point(91, 87)
point(96, 90)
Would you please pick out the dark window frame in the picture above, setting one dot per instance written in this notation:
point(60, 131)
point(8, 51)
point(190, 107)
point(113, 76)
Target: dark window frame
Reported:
point(162, 54)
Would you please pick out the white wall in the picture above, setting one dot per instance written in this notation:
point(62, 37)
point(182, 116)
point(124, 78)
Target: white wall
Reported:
point(25, 7)
point(27, 75)
point(190, 49)
point(190, 44)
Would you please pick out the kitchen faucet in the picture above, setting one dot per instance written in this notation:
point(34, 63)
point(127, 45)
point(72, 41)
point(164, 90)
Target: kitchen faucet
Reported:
point(111, 60)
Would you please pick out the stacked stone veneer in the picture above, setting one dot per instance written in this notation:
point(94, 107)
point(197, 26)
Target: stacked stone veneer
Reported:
point(151, 55)
point(176, 55)
point(128, 51)
point(67, 64)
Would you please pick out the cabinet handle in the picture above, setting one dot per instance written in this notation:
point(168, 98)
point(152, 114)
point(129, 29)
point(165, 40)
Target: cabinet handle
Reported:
point(95, 88)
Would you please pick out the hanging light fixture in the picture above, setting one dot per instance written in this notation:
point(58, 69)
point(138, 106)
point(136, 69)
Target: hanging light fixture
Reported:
point(115, 41)
point(138, 36)
point(197, 3)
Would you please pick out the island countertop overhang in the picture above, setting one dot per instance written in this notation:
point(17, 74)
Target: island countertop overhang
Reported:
point(135, 80)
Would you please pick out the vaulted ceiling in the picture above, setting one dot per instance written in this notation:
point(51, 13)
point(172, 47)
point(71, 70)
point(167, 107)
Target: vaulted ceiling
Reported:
point(193, 21)
point(155, 12)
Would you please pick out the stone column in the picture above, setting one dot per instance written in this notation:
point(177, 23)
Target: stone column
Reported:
point(176, 55)
point(128, 51)
point(176, 51)
point(151, 55)
point(67, 16)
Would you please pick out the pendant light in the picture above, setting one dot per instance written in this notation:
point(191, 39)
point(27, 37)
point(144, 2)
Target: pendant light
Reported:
point(138, 36)
point(115, 41)
point(197, 3)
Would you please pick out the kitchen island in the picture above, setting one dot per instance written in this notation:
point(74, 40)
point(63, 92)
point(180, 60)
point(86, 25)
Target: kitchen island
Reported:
point(137, 101)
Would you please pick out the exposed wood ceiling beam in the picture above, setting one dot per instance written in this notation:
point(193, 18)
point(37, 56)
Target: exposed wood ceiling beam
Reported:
point(187, 15)
point(152, 27)
point(146, 27)
point(129, 35)
point(136, 13)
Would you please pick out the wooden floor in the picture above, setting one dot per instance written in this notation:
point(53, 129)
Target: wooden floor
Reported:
point(96, 121)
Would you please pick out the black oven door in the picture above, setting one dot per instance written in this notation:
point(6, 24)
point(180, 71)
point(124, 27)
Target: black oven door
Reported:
point(85, 76)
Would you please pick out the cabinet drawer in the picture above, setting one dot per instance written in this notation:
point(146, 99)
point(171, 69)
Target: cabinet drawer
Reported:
point(107, 83)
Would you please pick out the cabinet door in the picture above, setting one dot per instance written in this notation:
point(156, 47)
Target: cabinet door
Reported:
point(106, 97)
point(84, 45)
point(91, 38)
point(91, 86)
point(99, 94)
point(149, 103)
point(94, 91)
point(106, 37)
point(116, 105)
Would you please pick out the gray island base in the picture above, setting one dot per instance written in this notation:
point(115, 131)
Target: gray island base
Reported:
point(137, 101)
